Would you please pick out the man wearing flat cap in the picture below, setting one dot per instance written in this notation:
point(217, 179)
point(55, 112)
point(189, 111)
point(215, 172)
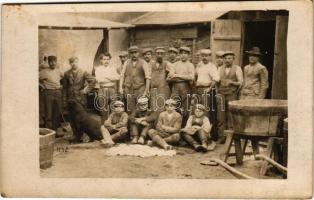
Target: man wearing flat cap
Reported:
point(181, 75)
point(76, 82)
point(123, 56)
point(160, 90)
point(173, 53)
point(255, 82)
point(148, 55)
point(50, 79)
point(231, 79)
point(135, 78)
point(207, 78)
point(219, 59)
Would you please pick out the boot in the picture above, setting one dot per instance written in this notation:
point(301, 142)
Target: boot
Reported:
point(134, 140)
point(141, 140)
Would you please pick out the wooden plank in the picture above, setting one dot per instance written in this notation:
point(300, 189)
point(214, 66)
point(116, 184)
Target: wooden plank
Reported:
point(279, 84)
point(226, 35)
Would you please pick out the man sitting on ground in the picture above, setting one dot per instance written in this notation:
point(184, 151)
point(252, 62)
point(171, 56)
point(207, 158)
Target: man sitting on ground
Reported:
point(168, 127)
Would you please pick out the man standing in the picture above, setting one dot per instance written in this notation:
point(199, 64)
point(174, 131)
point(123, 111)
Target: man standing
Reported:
point(160, 90)
point(75, 82)
point(207, 77)
point(50, 79)
point(147, 55)
point(135, 78)
point(107, 77)
point(173, 53)
point(182, 75)
point(123, 57)
point(255, 82)
point(219, 58)
point(231, 79)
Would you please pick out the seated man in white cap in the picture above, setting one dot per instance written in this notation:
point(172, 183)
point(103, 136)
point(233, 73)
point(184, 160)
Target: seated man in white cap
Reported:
point(116, 125)
point(141, 120)
point(167, 128)
point(197, 130)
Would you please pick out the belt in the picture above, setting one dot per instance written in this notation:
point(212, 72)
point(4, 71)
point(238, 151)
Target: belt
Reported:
point(202, 86)
point(107, 87)
point(52, 89)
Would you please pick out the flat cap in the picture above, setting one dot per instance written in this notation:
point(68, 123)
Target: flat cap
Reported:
point(206, 51)
point(72, 59)
point(118, 103)
point(160, 49)
point(173, 49)
point(145, 50)
point(170, 102)
point(133, 49)
point(142, 100)
point(200, 107)
point(228, 53)
point(187, 49)
point(123, 53)
point(220, 53)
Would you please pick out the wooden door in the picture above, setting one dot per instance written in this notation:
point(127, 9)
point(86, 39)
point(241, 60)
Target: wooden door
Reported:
point(226, 35)
point(279, 85)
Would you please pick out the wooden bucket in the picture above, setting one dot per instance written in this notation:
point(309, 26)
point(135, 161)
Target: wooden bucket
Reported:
point(257, 117)
point(46, 145)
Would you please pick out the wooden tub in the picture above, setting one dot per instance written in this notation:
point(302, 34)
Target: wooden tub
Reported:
point(257, 117)
point(46, 145)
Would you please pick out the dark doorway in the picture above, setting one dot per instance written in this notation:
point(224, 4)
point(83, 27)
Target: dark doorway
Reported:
point(261, 34)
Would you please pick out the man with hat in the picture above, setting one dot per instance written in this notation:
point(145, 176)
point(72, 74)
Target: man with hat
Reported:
point(160, 90)
point(173, 53)
point(148, 55)
point(135, 78)
point(123, 56)
point(50, 80)
point(76, 82)
point(207, 78)
point(197, 130)
point(181, 75)
point(219, 59)
point(231, 79)
point(255, 82)
point(167, 128)
point(115, 125)
point(141, 120)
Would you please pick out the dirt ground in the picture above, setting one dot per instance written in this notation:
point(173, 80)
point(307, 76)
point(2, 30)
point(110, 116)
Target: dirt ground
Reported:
point(88, 160)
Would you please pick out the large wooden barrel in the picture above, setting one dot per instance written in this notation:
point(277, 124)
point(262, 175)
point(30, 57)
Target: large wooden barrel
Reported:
point(46, 146)
point(257, 117)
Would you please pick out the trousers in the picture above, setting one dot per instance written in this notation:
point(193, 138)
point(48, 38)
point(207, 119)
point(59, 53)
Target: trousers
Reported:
point(53, 108)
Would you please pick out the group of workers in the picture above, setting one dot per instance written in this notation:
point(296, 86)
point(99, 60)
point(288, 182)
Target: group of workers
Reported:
point(154, 100)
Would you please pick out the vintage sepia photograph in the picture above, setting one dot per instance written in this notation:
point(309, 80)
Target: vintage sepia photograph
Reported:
point(187, 95)
point(157, 100)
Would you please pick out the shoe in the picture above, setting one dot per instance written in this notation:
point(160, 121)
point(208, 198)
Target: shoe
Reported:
point(211, 146)
point(204, 148)
point(141, 140)
point(168, 147)
point(198, 148)
point(134, 140)
point(149, 143)
point(106, 144)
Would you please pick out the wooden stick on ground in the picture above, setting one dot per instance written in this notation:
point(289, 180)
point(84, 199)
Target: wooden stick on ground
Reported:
point(274, 163)
point(231, 169)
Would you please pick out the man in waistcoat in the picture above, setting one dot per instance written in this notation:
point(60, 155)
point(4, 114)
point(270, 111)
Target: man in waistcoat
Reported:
point(135, 79)
point(231, 79)
point(160, 90)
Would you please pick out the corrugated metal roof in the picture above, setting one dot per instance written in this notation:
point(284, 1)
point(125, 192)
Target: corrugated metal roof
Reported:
point(77, 21)
point(175, 18)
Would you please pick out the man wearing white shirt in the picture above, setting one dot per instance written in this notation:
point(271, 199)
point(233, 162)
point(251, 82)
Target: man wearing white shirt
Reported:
point(106, 77)
point(207, 78)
